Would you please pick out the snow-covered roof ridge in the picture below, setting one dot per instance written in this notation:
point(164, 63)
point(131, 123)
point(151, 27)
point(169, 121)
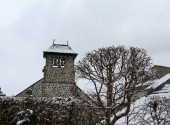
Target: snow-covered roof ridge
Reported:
point(60, 48)
point(160, 81)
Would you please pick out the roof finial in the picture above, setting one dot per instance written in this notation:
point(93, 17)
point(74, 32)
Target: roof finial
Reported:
point(1, 94)
point(67, 42)
point(53, 41)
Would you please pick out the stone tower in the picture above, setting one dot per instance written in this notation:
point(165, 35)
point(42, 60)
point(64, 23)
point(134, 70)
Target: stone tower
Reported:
point(59, 76)
point(59, 67)
point(59, 73)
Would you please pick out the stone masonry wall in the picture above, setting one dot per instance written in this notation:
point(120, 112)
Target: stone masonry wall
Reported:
point(58, 90)
point(36, 89)
point(161, 70)
point(60, 75)
point(41, 89)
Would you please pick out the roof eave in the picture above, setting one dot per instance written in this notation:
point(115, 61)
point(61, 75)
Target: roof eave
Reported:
point(54, 53)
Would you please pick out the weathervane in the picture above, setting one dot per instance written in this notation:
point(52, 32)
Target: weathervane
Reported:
point(1, 94)
point(53, 41)
point(67, 42)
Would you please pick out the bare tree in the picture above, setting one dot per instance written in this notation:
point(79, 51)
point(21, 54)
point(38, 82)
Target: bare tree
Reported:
point(117, 73)
point(155, 111)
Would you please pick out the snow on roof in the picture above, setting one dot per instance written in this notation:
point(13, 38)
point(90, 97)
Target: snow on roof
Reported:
point(60, 48)
point(158, 82)
point(164, 92)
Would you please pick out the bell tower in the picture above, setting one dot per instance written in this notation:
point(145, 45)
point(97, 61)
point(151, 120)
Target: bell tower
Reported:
point(59, 65)
point(59, 73)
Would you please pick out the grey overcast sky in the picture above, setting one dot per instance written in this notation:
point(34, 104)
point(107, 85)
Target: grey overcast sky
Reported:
point(28, 27)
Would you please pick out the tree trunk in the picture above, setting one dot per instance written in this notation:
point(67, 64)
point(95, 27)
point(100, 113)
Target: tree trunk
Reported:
point(109, 104)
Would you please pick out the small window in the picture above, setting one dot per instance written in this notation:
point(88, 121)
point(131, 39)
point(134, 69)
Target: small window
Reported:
point(59, 62)
point(55, 62)
point(62, 62)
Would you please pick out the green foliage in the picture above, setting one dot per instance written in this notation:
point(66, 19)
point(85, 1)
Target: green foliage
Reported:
point(8, 109)
point(45, 111)
point(26, 116)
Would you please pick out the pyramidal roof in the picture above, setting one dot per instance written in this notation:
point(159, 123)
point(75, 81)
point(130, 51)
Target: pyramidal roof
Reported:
point(60, 48)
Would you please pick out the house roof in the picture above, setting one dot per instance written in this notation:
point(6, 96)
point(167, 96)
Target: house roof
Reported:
point(60, 48)
point(161, 71)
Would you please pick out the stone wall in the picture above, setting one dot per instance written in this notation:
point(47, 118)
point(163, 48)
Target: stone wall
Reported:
point(58, 90)
point(60, 75)
point(161, 71)
point(35, 89)
point(41, 89)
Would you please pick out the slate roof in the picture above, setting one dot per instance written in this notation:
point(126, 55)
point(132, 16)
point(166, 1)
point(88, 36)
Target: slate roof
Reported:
point(161, 71)
point(60, 48)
